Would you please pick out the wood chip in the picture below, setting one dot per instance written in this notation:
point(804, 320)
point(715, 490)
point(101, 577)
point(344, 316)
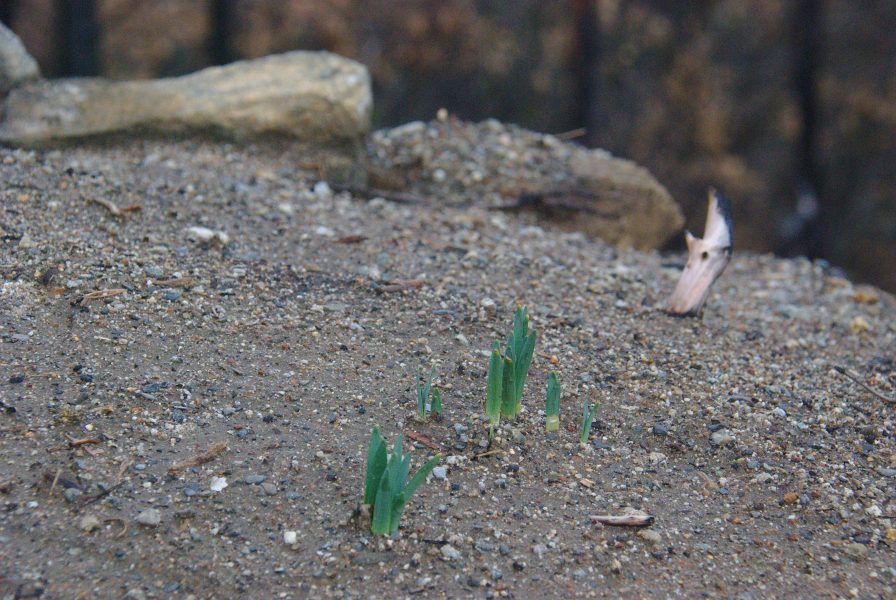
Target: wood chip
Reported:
point(624, 520)
point(350, 239)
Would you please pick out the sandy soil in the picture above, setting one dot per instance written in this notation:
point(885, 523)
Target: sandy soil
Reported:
point(769, 473)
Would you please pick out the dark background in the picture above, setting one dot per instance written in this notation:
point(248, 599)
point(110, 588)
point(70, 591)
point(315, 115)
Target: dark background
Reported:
point(789, 107)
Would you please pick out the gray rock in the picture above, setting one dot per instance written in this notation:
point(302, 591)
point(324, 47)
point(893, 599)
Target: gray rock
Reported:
point(630, 207)
point(440, 472)
point(308, 96)
point(721, 437)
point(151, 517)
point(16, 65)
point(255, 479)
point(449, 552)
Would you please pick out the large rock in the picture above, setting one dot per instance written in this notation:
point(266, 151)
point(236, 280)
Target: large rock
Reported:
point(308, 96)
point(16, 65)
point(506, 167)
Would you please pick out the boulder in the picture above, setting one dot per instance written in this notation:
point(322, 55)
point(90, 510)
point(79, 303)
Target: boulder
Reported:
point(503, 166)
point(314, 97)
point(16, 65)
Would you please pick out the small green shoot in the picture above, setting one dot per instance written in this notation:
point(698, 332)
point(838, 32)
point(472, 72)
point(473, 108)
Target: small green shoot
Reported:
point(520, 349)
point(424, 404)
point(386, 485)
point(552, 404)
point(494, 388)
point(436, 401)
point(588, 411)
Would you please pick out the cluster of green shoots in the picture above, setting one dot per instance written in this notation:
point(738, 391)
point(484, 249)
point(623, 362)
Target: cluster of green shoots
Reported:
point(386, 486)
point(429, 399)
point(507, 373)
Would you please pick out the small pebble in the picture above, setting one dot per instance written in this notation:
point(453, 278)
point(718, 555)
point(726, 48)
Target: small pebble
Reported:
point(151, 517)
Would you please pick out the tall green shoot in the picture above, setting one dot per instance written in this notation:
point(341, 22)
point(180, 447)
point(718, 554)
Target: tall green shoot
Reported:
point(588, 411)
point(494, 388)
point(424, 404)
point(519, 351)
point(552, 404)
point(386, 485)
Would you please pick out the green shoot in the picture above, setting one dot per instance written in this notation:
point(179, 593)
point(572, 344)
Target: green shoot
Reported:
point(520, 349)
point(386, 485)
point(588, 411)
point(494, 388)
point(552, 404)
point(424, 406)
point(436, 401)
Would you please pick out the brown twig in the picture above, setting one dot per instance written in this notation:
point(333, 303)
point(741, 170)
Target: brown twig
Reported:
point(100, 495)
point(55, 480)
point(100, 294)
point(75, 442)
point(110, 206)
point(425, 440)
point(124, 467)
point(194, 461)
point(624, 520)
point(571, 134)
point(847, 373)
point(124, 525)
point(488, 453)
point(350, 239)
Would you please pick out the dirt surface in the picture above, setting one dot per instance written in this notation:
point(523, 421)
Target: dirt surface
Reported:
point(769, 473)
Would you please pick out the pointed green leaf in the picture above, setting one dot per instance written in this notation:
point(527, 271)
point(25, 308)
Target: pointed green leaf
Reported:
point(436, 400)
point(381, 524)
point(376, 465)
point(420, 476)
point(494, 387)
point(552, 403)
point(508, 391)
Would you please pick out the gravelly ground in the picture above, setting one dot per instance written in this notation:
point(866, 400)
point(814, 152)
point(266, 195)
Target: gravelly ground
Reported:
point(769, 474)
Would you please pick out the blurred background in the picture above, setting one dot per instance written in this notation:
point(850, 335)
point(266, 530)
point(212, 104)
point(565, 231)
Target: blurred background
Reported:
point(789, 107)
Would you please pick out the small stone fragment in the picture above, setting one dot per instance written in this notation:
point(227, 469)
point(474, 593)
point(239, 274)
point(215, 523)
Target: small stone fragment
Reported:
point(151, 517)
point(650, 535)
point(88, 523)
point(449, 552)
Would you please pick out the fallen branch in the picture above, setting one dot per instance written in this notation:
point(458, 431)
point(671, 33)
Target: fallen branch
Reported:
point(209, 455)
point(624, 520)
point(847, 373)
